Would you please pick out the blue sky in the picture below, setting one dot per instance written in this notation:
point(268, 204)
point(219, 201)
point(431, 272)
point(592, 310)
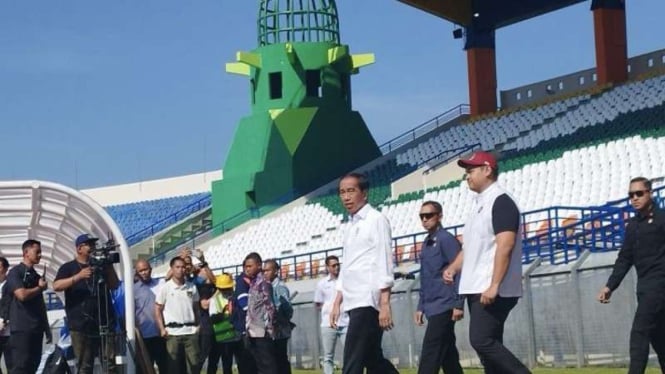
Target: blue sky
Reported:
point(95, 93)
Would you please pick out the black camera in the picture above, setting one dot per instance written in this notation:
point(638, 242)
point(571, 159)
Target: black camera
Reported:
point(106, 255)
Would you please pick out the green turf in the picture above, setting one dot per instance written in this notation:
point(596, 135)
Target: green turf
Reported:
point(598, 370)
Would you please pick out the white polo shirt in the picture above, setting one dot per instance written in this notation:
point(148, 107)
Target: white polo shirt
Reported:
point(325, 294)
point(367, 258)
point(480, 244)
point(178, 303)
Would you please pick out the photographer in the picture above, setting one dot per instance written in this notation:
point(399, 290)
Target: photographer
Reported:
point(87, 282)
point(27, 312)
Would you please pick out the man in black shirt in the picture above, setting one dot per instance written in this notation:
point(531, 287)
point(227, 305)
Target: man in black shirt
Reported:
point(27, 311)
point(88, 305)
point(644, 247)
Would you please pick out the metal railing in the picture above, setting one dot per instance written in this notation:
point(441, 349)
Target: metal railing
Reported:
point(447, 155)
point(168, 221)
point(560, 237)
point(205, 233)
point(442, 119)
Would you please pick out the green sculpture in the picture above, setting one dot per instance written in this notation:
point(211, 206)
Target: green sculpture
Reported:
point(302, 131)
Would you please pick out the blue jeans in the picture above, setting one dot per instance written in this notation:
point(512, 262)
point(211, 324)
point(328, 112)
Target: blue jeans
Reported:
point(329, 337)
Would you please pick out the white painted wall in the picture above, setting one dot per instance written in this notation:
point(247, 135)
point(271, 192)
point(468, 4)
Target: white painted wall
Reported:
point(154, 189)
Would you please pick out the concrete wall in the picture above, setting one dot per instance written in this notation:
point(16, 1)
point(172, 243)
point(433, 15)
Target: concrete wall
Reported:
point(154, 189)
point(426, 177)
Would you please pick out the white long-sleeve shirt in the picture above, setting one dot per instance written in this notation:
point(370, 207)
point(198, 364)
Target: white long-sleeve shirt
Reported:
point(367, 265)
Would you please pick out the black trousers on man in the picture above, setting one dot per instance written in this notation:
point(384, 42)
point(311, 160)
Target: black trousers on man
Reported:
point(263, 350)
point(439, 350)
point(363, 344)
point(156, 347)
point(648, 326)
point(486, 335)
point(26, 348)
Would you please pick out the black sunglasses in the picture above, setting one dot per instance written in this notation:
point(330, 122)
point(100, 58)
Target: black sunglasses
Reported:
point(632, 194)
point(427, 215)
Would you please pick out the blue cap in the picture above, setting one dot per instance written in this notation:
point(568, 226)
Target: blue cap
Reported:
point(85, 238)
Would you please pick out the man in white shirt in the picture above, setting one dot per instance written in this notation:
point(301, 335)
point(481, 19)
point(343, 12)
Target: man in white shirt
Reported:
point(365, 282)
point(177, 312)
point(324, 297)
point(490, 264)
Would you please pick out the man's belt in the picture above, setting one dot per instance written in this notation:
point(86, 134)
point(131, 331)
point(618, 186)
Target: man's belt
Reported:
point(176, 324)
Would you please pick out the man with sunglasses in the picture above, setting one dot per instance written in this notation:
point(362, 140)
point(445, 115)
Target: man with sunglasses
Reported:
point(643, 247)
point(440, 303)
point(490, 264)
point(324, 297)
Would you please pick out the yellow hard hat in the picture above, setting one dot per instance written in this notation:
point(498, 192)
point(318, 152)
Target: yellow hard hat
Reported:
point(224, 281)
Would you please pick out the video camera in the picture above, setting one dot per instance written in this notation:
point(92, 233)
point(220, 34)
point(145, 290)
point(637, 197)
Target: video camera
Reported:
point(106, 255)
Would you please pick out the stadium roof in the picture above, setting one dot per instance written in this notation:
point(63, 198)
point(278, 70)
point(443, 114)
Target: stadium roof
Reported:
point(56, 215)
point(491, 14)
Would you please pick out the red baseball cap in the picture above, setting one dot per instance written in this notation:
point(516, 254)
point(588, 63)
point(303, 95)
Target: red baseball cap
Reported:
point(478, 158)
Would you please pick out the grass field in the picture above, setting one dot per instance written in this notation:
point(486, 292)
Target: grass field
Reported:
point(599, 370)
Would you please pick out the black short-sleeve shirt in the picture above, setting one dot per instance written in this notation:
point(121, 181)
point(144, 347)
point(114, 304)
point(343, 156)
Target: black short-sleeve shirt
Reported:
point(505, 215)
point(28, 315)
point(88, 303)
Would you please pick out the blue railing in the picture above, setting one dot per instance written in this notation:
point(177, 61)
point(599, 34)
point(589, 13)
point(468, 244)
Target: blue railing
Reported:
point(221, 227)
point(168, 221)
point(558, 234)
point(442, 119)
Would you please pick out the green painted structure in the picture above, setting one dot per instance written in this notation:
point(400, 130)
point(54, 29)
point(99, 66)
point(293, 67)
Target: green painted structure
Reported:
point(302, 131)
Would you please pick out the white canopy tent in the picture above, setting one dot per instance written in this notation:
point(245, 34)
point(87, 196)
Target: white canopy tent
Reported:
point(55, 215)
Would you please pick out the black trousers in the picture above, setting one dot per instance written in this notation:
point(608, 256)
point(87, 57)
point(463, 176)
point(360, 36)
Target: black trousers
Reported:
point(648, 327)
point(263, 350)
point(226, 351)
point(5, 349)
point(26, 351)
point(156, 347)
point(439, 350)
point(282, 356)
point(363, 344)
point(486, 335)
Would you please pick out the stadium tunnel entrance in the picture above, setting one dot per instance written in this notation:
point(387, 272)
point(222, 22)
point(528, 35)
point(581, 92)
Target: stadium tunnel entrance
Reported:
point(55, 215)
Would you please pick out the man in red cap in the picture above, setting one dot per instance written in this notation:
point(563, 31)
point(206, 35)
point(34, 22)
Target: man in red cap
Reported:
point(490, 264)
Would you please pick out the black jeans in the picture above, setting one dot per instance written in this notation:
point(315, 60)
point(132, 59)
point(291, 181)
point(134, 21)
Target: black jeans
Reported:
point(263, 350)
point(363, 344)
point(282, 356)
point(26, 350)
point(439, 350)
point(156, 347)
point(486, 335)
point(648, 326)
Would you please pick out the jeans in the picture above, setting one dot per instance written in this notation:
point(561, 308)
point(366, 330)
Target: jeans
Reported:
point(486, 335)
point(439, 350)
point(187, 346)
point(329, 338)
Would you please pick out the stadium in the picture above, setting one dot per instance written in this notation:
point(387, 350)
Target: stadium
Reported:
point(567, 147)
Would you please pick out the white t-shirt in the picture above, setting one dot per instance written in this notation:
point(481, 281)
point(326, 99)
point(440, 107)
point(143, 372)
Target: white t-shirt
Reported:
point(178, 303)
point(325, 294)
